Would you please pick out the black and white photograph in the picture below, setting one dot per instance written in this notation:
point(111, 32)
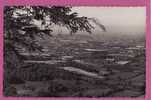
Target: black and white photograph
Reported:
point(74, 51)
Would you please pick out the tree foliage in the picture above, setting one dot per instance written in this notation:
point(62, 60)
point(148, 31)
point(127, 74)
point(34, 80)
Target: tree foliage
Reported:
point(20, 18)
point(19, 27)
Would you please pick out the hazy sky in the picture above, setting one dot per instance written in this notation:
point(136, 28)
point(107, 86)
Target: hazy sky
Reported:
point(117, 19)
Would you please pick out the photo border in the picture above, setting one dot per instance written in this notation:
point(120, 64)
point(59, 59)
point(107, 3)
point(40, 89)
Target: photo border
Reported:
point(106, 3)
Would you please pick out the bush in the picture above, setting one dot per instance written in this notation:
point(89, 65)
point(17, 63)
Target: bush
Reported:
point(55, 88)
point(15, 80)
point(10, 91)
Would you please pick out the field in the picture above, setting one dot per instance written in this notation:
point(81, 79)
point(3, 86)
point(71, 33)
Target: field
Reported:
point(81, 66)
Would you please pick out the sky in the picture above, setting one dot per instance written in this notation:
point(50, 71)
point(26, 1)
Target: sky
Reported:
point(129, 20)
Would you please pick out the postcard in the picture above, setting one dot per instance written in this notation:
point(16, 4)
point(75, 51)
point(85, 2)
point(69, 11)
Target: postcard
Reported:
point(72, 49)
